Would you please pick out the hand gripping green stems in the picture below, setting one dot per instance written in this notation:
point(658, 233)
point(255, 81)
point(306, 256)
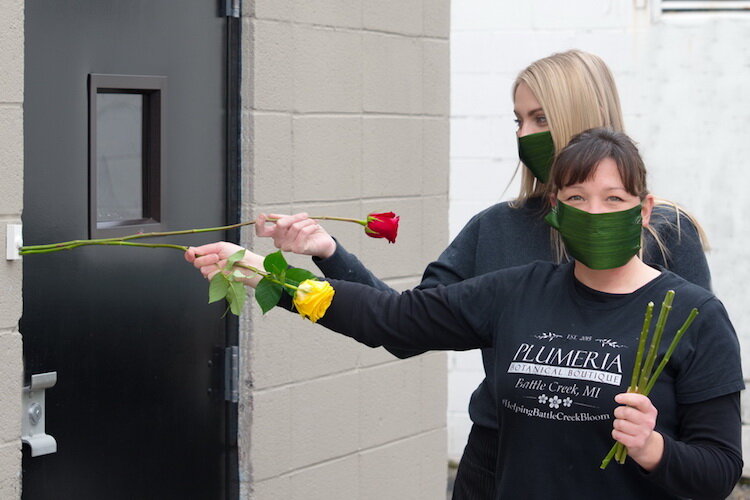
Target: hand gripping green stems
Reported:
point(643, 380)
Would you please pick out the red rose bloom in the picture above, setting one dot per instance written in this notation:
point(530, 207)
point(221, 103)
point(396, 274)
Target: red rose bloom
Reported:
point(383, 225)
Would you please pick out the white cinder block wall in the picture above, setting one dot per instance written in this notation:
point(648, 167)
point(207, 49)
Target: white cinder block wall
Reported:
point(682, 79)
point(11, 202)
point(345, 108)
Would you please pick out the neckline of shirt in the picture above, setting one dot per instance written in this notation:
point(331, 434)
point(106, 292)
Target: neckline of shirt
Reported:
point(595, 299)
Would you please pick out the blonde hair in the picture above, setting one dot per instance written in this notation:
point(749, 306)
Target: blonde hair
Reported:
point(577, 92)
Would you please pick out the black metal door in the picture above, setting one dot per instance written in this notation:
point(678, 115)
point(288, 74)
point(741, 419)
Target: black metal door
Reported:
point(137, 410)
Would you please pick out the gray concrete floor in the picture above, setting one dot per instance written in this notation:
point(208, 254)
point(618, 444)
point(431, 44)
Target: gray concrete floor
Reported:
point(741, 492)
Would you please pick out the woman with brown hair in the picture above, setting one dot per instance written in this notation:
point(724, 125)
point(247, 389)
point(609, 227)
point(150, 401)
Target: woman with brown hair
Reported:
point(563, 337)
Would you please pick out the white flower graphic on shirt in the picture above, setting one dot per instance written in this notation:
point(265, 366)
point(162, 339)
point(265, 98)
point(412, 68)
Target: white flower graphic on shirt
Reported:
point(567, 402)
point(542, 398)
point(609, 343)
point(554, 402)
point(550, 336)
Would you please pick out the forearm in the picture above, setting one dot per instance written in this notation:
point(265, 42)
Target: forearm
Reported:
point(411, 320)
point(452, 266)
point(698, 471)
point(343, 265)
point(705, 461)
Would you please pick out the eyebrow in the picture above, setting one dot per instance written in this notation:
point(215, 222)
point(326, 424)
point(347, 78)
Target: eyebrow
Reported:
point(579, 185)
point(530, 112)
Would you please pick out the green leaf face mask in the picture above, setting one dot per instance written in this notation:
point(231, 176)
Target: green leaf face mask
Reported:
point(537, 151)
point(598, 241)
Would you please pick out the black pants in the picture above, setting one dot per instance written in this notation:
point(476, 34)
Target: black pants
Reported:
point(475, 477)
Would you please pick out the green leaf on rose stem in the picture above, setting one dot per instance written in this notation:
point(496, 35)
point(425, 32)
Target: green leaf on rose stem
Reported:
point(298, 275)
point(236, 297)
point(234, 258)
point(275, 263)
point(267, 294)
point(238, 275)
point(218, 288)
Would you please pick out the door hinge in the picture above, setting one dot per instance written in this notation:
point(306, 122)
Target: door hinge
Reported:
point(232, 8)
point(232, 374)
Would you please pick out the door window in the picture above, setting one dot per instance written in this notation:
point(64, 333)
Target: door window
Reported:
point(125, 153)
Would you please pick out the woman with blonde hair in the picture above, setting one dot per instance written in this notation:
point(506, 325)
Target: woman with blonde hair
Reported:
point(554, 99)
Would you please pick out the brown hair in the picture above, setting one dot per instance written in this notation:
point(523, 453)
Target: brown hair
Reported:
point(577, 162)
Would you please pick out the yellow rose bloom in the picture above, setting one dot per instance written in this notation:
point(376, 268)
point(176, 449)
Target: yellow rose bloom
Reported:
point(312, 299)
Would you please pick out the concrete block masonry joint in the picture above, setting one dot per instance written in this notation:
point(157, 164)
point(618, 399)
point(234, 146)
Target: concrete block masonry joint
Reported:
point(13, 241)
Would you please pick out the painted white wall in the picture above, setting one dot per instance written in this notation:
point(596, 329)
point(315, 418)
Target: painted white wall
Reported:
point(682, 80)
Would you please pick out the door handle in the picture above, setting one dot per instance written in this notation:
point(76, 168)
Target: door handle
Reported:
point(32, 420)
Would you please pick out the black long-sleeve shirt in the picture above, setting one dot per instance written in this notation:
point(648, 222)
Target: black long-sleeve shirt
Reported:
point(501, 237)
point(561, 354)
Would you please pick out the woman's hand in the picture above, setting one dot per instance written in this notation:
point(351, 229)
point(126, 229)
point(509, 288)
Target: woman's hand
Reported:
point(634, 427)
point(210, 259)
point(296, 233)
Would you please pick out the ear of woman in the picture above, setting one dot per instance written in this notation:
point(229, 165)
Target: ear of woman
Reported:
point(647, 208)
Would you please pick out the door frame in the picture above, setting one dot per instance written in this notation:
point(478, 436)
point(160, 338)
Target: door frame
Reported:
point(232, 12)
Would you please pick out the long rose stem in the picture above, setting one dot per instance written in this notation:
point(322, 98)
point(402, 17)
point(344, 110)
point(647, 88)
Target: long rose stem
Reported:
point(112, 243)
point(76, 243)
point(265, 274)
point(67, 245)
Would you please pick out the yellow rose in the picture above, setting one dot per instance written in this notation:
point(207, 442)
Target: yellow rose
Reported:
point(312, 299)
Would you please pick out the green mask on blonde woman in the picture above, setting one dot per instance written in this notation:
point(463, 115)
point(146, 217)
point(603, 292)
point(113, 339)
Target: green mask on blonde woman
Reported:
point(598, 241)
point(537, 151)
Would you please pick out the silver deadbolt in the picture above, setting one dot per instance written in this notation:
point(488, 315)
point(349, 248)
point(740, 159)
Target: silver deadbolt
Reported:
point(32, 423)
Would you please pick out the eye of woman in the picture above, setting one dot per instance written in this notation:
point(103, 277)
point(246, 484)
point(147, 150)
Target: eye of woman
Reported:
point(614, 198)
point(541, 120)
point(574, 197)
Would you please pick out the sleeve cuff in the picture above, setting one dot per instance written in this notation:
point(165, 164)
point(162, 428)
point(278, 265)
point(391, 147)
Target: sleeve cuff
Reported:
point(658, 475)
point(335, 261)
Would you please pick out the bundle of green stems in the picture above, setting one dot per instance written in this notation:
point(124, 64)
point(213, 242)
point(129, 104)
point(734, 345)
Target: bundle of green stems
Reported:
point(643, 380)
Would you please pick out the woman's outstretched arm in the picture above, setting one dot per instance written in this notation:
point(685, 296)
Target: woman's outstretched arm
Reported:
point(299, 234)
point(415, 319)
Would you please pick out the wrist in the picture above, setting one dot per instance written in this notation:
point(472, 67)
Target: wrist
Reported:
point(327, 250)
point(253, 260)
point(649, 456)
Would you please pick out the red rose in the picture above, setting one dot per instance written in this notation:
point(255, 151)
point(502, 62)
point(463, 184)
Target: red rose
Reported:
point(383, 225)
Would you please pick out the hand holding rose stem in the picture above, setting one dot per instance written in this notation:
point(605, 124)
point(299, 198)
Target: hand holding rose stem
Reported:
point(310, 296)
point(642, 380)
